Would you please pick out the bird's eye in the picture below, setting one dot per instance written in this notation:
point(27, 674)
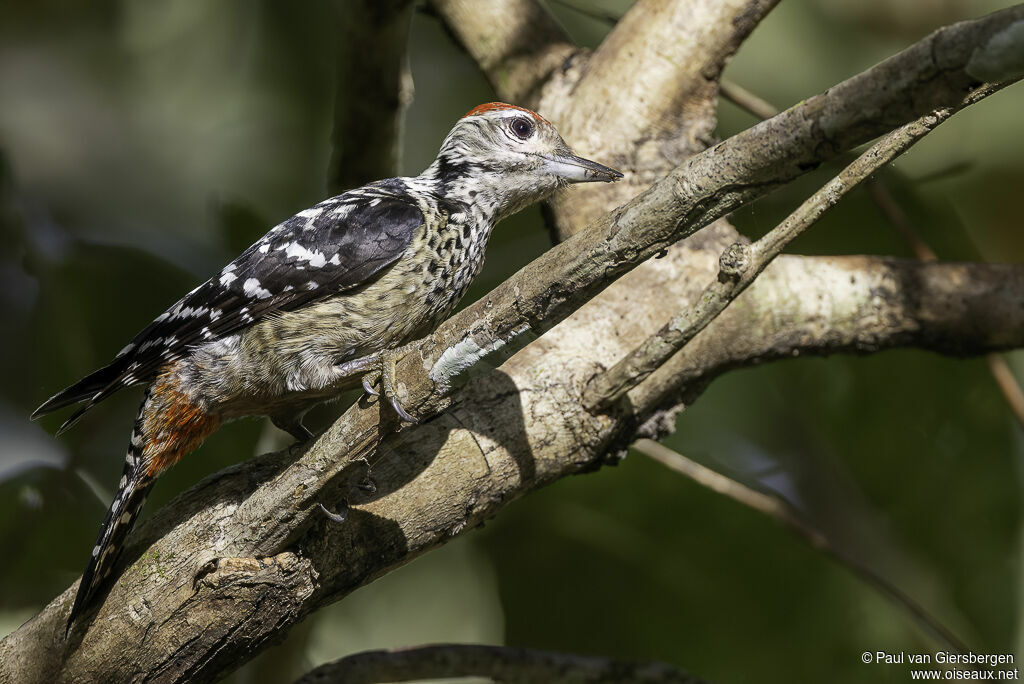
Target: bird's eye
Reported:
point(521, 128)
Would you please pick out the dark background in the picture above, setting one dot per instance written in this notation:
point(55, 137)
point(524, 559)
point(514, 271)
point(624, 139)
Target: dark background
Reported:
point(145, 143)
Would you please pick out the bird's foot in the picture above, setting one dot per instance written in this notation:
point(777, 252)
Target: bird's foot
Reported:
point(364, 485)
point(383, 375)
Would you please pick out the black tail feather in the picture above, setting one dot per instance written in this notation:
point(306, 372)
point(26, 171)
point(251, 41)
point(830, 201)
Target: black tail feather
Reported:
point(93, 387)
point(120, 519)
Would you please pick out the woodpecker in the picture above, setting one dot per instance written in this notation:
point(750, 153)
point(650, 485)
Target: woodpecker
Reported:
point(325, 300)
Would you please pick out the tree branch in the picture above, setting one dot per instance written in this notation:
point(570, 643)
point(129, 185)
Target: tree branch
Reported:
point(912, 300)
point(506, 664)
point(780, 510)
point(517, 44)
point(706, 187)
point(236, 560)
point(513, 431)
point(665, 57)
point(746, 100)
point(1000, 370)
point(742, 263)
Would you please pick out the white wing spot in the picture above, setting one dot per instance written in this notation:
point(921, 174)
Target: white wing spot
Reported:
point(227, 278)
point(311, 256)
point(189, 312)
point(252, 288)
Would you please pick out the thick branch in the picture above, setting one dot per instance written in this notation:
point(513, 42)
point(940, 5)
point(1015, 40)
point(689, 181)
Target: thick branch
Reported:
point(506, 664)
point(516, 42)
point(665, 58)
point(509, 433)
point(374, 90)
point(938, 306)
point(742, 263)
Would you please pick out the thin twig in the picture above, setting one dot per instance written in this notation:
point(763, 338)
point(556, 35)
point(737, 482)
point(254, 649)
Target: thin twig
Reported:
point(1001, 372)
point(1008, 385)
point(746, 100)
point(780, 510)
point(588, 10)
point(741, 264)
point(762, 109)
point(500, 663)
point(899, 220)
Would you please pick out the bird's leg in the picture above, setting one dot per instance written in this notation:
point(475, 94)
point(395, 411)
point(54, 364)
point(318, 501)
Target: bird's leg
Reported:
point(383, 375)
point(293, 426)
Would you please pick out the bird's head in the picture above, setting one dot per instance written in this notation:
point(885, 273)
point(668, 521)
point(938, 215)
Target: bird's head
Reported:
point(509, 157)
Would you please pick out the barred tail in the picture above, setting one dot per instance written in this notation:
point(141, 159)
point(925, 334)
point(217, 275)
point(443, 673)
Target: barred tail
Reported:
point(170, 424)
point(128, 501)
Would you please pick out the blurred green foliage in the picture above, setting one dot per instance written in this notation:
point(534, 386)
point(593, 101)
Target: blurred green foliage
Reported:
point(143, 143)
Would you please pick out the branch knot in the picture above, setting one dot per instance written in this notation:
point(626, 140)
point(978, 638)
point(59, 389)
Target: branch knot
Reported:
point(734, 262)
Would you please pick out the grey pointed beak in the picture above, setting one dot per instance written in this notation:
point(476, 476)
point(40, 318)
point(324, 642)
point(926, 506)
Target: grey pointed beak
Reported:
point(579, 170)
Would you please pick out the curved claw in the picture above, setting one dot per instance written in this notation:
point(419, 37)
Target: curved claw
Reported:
point(335, 517)
point(382, 373)
point(368, 381)
point(400, 410)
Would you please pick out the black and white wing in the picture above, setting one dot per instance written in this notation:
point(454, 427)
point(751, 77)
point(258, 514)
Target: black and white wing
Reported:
point(337, 245)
